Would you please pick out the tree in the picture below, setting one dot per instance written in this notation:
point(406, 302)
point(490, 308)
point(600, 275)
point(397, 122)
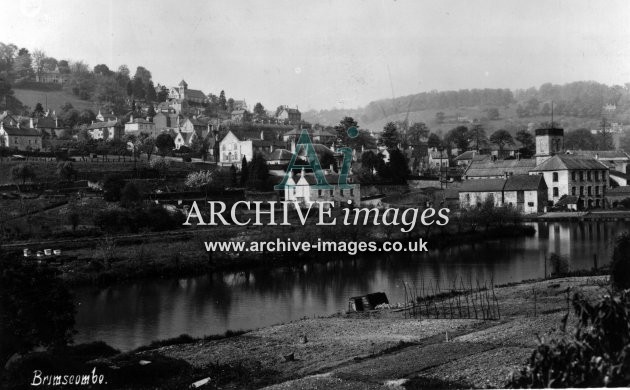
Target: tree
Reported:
point(161, 165)
point(143, 75)
point(398, 167)
point(492, 113)
point(165, 143)
point(230, 105)
point(139, 91)
point(201, 180)
point(112, 187)
point(147, 146)
point(458, 137)
point(389, 137)
point(37, 307)
point(86, 117)
point(580, 139)
point(417, 133)
point(129, 88)
point(259, 111)
point(342, 130)
point(258, 177)
point(244, 172)
point(23, 172)
point(477, 135)
point(66, 171)
point(38, 57)
point(102, 70)
point(222, 101)
point(528, 141)
point(434, 141)
point(130, 195)
point(38, 111)
point(22, 65)
point(151, 112)
point(151, 94)
point(109, 93)
point(162, 95)
point(502, 138)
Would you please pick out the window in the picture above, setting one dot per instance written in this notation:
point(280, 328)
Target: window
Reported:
point(530, 204)
point(581, 176)
point(596, 190)
point(581, 190)
point(351, 192)
point(331, 192)
point(588, 175)
point(573, 176)
point(588, 190)
point(555, 191)
point(319, 192)
point(555, 176)
point(596, 175)
point(341, 192)
point(573, 191)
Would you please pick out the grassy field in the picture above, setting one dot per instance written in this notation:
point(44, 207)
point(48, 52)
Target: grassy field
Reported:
point(54, 99)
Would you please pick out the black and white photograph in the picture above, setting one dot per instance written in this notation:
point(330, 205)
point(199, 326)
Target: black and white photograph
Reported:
point(336, 194)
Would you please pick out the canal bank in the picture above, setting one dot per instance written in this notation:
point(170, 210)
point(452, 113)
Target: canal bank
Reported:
point(580, 216)
point(377, 349)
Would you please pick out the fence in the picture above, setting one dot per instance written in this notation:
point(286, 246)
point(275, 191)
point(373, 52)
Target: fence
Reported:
point(457, 300)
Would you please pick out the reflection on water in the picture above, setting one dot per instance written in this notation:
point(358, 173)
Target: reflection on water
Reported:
point(130, 315)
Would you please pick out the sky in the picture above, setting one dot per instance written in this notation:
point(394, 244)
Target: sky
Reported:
point(334, 54)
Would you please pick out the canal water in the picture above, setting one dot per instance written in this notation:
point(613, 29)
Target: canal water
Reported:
point(129, 315)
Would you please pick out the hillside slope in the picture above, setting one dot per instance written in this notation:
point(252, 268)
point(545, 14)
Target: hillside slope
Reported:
point(53, 99)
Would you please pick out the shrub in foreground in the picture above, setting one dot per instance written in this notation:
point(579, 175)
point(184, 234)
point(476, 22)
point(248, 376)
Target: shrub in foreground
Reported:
point(597, 355)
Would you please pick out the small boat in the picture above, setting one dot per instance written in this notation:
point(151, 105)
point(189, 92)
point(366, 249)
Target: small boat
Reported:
point(367, 302)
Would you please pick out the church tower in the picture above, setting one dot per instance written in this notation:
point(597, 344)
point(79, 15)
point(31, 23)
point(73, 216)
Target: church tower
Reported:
point(549, 142)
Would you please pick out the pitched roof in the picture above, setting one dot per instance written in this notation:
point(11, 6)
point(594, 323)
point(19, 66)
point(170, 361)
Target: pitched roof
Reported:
point(562, 162)
point(482, 185)
point(438, 155)
point(600, 154)
point(467, 155)
point(487, 167)
point(280, 154)
point(195, 94)
point(100, 125)
point(523, 182)
point(46, 122)
point(21, 131)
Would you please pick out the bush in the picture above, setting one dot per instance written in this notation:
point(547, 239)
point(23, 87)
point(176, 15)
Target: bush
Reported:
point(620, 267)
point(597, 355)
point(37, 308)
point(112, 186)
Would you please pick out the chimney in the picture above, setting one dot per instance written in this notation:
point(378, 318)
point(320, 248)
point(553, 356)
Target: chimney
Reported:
point(56, 122)
point(262, 135)
point(32, 127)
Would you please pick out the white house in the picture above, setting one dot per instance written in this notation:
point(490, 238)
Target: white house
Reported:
point(236, 145)
point(107, 131)
point(139, 125)
point(438, 159)
point(305, 190)
point(526, 193)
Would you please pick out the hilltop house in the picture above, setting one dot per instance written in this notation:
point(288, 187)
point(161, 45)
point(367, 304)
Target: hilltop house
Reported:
point(20, 138)
point(241, 115)
point(52, 77)
point(292, 116)
point(182, 93)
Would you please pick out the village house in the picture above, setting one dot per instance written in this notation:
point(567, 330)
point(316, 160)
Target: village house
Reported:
point(20, 138)
point(165, 121)
point(238, 144)
point(584, 177)
point(616, 161)
point(438, 159)
point(526, 193)
point(108, 131)
point(105, 117)
point(240, 115)
point(488, 168)
point(305, 190)
point(291, 116)
point(139, 125)
point(52, 77)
